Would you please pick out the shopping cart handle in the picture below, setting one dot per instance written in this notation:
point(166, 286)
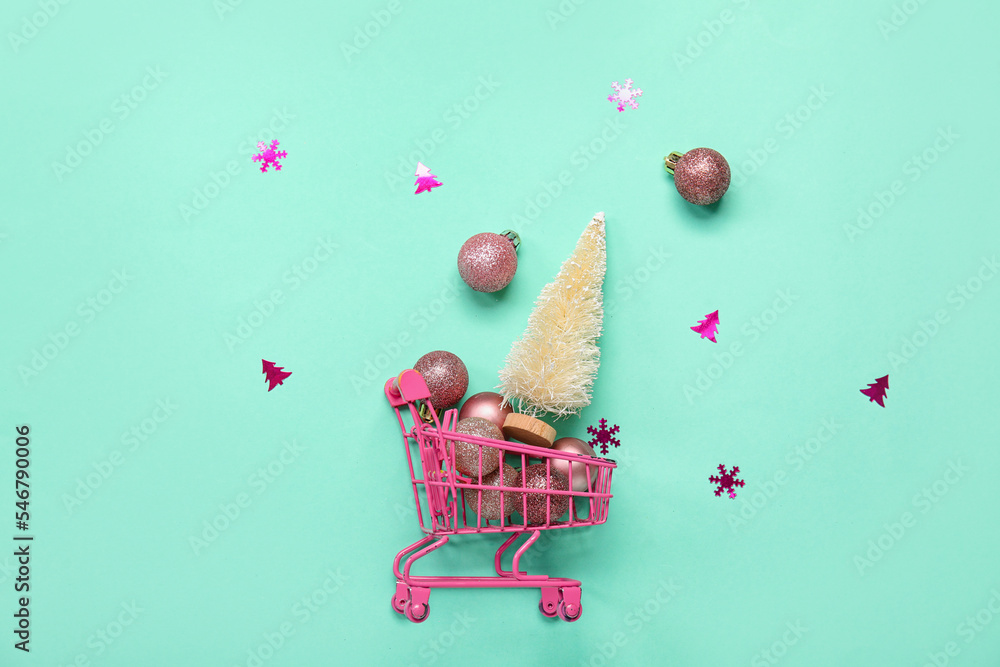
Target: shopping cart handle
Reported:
point(409, 387)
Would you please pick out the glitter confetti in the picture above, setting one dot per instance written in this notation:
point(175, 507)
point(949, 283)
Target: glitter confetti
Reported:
point(275, 375)
point(625, 95)
point(876, 390)
point(727, 481)
point(603, 436)
point(708, 327)
point(269, 155)
point(425, 179)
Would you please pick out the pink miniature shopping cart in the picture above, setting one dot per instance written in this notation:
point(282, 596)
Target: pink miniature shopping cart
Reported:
point(449, 503)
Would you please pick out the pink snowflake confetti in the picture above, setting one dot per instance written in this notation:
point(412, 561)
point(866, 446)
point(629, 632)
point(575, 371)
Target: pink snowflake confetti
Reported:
point(269, 155)
point(625, 95)
point(727, 481)
point(708, 327)
point(274, 375)
point(425, 179)
point(603, 436)
point(876, 390)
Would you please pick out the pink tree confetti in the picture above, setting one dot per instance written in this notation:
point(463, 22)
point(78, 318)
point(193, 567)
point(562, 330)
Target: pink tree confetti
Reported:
point(425, 179)
point(603, 436)
point(275, 375)
point(876, 390)
point(727, 481)
point(269, 155)
point(625, 95)
point(708, 327)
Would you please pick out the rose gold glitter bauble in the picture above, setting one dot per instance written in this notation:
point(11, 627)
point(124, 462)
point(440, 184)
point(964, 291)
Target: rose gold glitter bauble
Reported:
point(575, 446)
point(485, 404)
point(491, 509)
point(467, 453)
point(702, 176)
point(446, 377)
point(487, 262)
point(534, 478)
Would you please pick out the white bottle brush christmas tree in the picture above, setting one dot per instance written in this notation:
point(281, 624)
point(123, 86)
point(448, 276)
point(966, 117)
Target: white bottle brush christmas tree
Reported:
point(552, 367)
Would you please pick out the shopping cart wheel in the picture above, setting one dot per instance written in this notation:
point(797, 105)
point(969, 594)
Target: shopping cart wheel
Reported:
point(400, 597)
point(569, 603)
point(569, 612)
point(416, 612)
point(549, 603)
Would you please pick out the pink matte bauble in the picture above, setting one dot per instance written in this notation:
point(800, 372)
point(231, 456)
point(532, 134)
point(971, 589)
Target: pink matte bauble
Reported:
point(446, 377)
point(534, 478)
point(487, 262)
point(702, 176)
point(467, 454)
point(485, 404)
point(575, 446)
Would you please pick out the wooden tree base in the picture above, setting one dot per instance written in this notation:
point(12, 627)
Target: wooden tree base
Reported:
point(528, 430)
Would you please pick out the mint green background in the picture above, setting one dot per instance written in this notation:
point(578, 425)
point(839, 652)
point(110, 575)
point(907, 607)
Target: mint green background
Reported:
point(344, 502)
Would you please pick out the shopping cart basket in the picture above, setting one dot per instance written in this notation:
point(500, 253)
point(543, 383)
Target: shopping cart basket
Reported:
point(449, 503)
